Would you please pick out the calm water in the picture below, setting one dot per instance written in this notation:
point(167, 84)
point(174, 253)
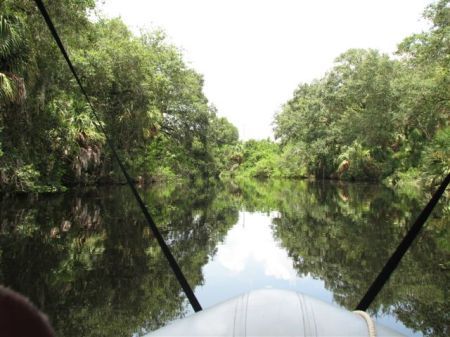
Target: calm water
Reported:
point(88, 260)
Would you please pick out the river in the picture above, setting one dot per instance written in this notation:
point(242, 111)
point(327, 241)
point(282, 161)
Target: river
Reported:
point(88, 260)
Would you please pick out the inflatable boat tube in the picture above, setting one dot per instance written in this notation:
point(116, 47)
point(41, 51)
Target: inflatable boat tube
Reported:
point(271, 312)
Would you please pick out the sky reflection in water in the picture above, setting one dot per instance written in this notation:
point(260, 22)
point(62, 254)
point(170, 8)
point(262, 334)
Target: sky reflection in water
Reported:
point(251, 258)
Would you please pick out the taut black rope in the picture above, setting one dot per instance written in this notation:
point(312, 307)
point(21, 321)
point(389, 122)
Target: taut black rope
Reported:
point(172, 262)
point(394, 260)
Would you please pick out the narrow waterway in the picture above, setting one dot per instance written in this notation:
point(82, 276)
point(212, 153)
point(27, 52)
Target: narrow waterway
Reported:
point(87, 259)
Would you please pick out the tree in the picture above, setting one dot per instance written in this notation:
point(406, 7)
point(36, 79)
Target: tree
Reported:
point(353, 103)
point(144, 94)
point(424, 88)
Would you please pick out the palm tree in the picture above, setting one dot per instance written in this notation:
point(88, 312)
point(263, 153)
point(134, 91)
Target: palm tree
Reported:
point(12, 88)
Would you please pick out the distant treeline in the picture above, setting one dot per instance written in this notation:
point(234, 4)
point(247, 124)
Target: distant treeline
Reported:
point(150, 102)
point(371, 117)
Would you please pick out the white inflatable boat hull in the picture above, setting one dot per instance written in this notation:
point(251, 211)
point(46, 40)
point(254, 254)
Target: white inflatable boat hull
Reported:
point(271, 312)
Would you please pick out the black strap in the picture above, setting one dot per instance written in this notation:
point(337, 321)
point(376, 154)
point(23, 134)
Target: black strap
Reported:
point(172, 262)
point(394, 260)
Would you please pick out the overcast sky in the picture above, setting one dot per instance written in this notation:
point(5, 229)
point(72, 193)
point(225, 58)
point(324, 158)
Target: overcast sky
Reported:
point(254, 53)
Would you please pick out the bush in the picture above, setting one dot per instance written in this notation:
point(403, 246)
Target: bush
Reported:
point(436, 158)
point(361, 165)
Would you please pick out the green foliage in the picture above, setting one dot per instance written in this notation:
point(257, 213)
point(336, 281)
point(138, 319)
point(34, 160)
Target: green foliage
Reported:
point(259, 159)
point(383, 117)
point(11, 59)
point(436, 159)
point(6, 88)
point(378, 116)
point(293, 161)
point(145, 95)
point(333, 118)
point(26, 177)
point(362, 165)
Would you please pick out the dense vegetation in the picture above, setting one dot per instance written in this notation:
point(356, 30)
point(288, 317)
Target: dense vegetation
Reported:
point(371, 117)
point(149, 100)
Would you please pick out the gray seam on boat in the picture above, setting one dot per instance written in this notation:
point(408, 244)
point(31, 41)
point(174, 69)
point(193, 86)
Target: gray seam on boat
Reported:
point(235, 315)
point(313, 319)
point(302, 312)
point(246, 309)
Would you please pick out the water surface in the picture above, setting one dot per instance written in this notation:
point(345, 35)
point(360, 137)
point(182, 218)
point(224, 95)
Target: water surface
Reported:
point(88, 260)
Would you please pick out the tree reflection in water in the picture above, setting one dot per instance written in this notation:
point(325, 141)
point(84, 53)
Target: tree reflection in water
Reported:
point(88, 260)
point(343, 234)
point(91, 264)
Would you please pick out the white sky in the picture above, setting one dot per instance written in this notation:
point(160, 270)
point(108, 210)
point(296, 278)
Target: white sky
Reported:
point(254, 53)
point(255, 241)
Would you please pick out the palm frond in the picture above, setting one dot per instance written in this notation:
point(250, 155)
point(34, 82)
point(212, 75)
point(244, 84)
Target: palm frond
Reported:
point(10, 35)
point(12, 86)
point(6, 89)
